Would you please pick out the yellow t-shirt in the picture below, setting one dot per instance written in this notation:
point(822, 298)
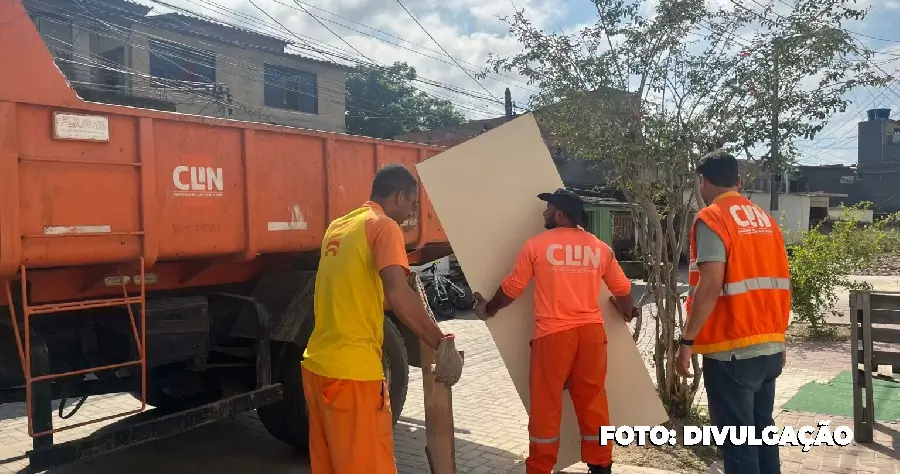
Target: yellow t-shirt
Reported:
point(349, 299)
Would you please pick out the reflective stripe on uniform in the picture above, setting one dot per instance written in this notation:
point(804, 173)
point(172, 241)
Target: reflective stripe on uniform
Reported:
point(590, 438)
point(543, 440)
point(751, 284)
point(758, 283)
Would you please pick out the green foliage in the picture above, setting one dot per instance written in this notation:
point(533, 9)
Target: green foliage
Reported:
point(821, 262)
point(382, 103)
point(646, 94)
point(804, 62)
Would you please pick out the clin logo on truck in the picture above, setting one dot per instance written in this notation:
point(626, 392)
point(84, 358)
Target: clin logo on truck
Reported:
point(198, 181)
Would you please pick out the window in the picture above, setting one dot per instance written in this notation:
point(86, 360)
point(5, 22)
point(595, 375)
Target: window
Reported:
point(291, 89)
point(108, 74)
point(57, 34)
point(761, 184)
point(170, 60)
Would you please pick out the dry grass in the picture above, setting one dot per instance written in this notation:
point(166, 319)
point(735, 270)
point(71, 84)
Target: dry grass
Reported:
point(677, 458)
point(800, 332)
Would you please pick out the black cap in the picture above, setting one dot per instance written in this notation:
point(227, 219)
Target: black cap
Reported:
point(568, 202)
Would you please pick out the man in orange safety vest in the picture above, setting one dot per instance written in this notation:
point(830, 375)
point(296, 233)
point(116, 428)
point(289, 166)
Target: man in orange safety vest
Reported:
point(738, 311)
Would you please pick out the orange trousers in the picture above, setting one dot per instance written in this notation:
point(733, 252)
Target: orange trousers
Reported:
point(350, 426)
point(574, 358)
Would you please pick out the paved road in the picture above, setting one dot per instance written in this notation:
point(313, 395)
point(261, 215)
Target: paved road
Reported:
point(490, 419)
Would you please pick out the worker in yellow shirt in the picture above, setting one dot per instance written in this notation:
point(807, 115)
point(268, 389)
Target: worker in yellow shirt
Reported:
point(363, 265)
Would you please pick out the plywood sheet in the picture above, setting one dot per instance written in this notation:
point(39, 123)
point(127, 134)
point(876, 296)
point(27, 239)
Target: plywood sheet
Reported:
point(484, 192)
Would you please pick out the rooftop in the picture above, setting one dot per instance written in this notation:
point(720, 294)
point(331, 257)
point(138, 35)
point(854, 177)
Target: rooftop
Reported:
point(246, 38)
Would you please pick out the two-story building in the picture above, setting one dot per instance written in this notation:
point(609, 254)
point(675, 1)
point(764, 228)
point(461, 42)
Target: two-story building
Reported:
point(114, 51)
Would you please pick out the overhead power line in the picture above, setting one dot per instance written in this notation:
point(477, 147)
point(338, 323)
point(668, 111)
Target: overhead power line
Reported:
point(442, 48)
point(326, 49)
point(250, 66)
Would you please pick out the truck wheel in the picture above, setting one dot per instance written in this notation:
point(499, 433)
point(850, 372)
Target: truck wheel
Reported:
point(288, 421)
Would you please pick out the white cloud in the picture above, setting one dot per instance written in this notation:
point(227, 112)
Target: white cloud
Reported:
point(470, 30)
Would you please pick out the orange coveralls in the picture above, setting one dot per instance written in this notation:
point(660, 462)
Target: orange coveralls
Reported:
point(569, 345)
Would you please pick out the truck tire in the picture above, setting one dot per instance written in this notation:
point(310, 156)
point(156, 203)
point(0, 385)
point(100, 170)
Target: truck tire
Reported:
point(288, 421)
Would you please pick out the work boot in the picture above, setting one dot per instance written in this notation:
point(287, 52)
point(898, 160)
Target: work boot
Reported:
point(595, 469)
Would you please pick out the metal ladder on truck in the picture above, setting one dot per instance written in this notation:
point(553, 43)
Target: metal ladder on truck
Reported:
point(23, 345)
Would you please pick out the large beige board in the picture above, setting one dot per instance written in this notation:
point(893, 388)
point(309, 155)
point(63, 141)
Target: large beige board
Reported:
point(485, 194)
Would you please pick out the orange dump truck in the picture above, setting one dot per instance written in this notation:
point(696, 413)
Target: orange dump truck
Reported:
point(168, 256)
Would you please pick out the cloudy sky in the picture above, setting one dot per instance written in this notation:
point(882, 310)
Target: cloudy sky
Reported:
point(469, 30)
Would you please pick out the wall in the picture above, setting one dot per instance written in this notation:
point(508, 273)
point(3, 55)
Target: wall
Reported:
point(792, 215)
point(862, 215)
point(874, 144)
point(874, 182)
point(241, 69)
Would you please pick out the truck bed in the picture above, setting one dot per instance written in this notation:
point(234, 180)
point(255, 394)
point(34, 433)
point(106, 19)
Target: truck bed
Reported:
point(84, 184)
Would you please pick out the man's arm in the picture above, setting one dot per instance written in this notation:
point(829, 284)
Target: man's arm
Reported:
point(515, 282)
point(386, 241)
point(711, 255)
point(619, 285)
point(408, 306)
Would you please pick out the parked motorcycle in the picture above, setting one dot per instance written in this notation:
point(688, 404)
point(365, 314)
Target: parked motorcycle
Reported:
point(444, 296)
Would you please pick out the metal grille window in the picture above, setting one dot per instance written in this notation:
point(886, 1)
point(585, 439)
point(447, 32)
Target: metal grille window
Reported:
point(292, 89)
point(169, 60)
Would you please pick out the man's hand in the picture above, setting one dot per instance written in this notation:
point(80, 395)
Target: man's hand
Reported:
point(448, 364)
point(481, 307)
point(683, 361)
point(635, 311)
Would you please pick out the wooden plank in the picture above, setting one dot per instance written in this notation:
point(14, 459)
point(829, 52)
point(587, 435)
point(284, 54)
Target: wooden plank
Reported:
point(440, 441)
point(885, 316)
point(867, 434)
point(889, 335)
point(884, 358)
point(886, 300)
point(855, 357)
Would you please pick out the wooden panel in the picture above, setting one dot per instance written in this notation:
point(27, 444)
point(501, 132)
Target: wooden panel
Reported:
point(886, 335)
point(885, 316)
point(886, 300)
point(884, 358)
point(440, 436)
point(490, 183)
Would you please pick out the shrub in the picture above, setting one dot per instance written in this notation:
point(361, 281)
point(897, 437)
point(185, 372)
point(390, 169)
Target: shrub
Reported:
point(821, 262)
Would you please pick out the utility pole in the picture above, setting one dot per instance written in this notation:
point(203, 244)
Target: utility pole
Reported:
point(774, 157)
point(508, 104)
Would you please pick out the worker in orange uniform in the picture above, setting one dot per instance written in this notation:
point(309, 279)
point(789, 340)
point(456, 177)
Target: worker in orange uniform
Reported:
point(738, 309)
point(363, 265)
point(568, 348)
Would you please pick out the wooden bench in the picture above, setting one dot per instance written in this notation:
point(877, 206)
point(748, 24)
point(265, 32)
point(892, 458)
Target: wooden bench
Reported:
point(869, 308)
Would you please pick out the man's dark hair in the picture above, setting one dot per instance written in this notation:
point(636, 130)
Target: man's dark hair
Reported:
point(719, 168)
point(392, 178)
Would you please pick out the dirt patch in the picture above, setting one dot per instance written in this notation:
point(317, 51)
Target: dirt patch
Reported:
point(803, 332)
point(885, 265)
point(679, 458)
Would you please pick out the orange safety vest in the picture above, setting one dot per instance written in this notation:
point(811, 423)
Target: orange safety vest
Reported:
point(755, 303)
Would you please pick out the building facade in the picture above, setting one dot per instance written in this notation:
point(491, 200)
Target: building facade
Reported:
point(112, 51)
point(874, 177)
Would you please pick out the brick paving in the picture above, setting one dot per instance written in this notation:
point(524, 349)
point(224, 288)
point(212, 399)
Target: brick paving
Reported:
point(490, 420)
